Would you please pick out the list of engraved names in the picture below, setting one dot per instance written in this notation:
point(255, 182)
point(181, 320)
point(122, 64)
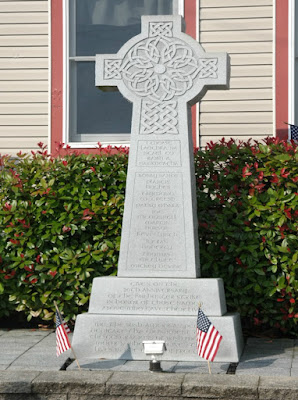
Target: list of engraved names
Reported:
point(157, 222)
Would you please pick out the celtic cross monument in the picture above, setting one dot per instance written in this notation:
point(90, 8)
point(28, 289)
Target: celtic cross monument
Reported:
point(155, 296)
point(162, 72)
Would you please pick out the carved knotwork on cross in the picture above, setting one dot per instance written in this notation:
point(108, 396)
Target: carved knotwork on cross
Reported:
point(158, 68)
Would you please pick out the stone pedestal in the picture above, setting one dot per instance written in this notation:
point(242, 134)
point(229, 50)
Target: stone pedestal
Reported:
point(163, 72)
point(124, 312)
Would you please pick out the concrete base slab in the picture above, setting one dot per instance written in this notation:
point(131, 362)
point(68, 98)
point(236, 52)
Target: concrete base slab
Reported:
point(295, 363)
point(263, 357)
point(97, 364)
point(135, 366)
point(121, 336)
point(263, 371)
point(42, 356)
point(32, 350)
point(201, 367)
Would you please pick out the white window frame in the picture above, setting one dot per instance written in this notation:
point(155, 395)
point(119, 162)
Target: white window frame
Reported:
point(109, 139)
point(292, 79)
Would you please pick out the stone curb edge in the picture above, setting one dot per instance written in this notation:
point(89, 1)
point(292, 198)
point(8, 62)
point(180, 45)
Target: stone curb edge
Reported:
point(143, 385)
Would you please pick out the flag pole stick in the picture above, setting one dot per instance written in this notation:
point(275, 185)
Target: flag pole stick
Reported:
point(60, 316)
point(209, 367)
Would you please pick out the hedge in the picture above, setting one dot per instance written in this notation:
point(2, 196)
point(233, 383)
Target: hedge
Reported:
point(61, 222)
point(61, 218)
point(247, 211)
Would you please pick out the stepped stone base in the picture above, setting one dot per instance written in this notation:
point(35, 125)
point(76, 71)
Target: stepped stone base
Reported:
point(125, 311)
point(157, 296)
point(100, 336)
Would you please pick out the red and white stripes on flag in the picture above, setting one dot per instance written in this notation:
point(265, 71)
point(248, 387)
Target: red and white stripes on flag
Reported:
point(62, 341)
point(208, 338)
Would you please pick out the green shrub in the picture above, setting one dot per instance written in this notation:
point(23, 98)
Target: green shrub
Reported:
point(61, 218)
point(247, 212)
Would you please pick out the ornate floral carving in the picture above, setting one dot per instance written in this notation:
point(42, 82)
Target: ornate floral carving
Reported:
point(159, 118)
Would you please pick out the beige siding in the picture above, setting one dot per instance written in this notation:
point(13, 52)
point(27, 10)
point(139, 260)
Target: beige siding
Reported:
point(24, 6)
point(222, 12)
point(23, 75)
point(236, 106)
point(244, 29)
point(23, 86)
point(238, 94)
point(24, 108)
point(23, 41)
point(29, 97)
point(244, 138)
point(234, 24)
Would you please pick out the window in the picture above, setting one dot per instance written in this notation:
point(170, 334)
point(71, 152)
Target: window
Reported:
point(94, 27)
point(293, 117)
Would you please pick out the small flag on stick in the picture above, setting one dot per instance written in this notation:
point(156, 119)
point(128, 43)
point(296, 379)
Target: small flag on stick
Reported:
point(293, 131)
point(208, 338)
point(62, 341)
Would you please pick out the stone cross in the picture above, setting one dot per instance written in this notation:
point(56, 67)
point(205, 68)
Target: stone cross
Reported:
point(162, 71)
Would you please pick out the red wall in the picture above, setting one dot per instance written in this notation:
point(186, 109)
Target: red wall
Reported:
point(190, 14)
point(56, 73)
point(281, 77)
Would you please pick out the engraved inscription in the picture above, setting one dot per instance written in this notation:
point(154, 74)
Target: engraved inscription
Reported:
point(152, 296)
point(157, 223)
point(125, 337)
point(159, 153)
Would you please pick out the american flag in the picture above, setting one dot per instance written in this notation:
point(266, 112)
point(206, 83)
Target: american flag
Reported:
point(62, 341)
point(294, 132)
point(208, 338)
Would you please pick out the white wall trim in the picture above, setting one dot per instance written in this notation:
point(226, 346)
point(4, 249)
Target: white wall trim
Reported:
point(94, 145)
point(291, 65)
point(181, 7)
point(65, 129)
point(50, 76)
point(197, 135)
